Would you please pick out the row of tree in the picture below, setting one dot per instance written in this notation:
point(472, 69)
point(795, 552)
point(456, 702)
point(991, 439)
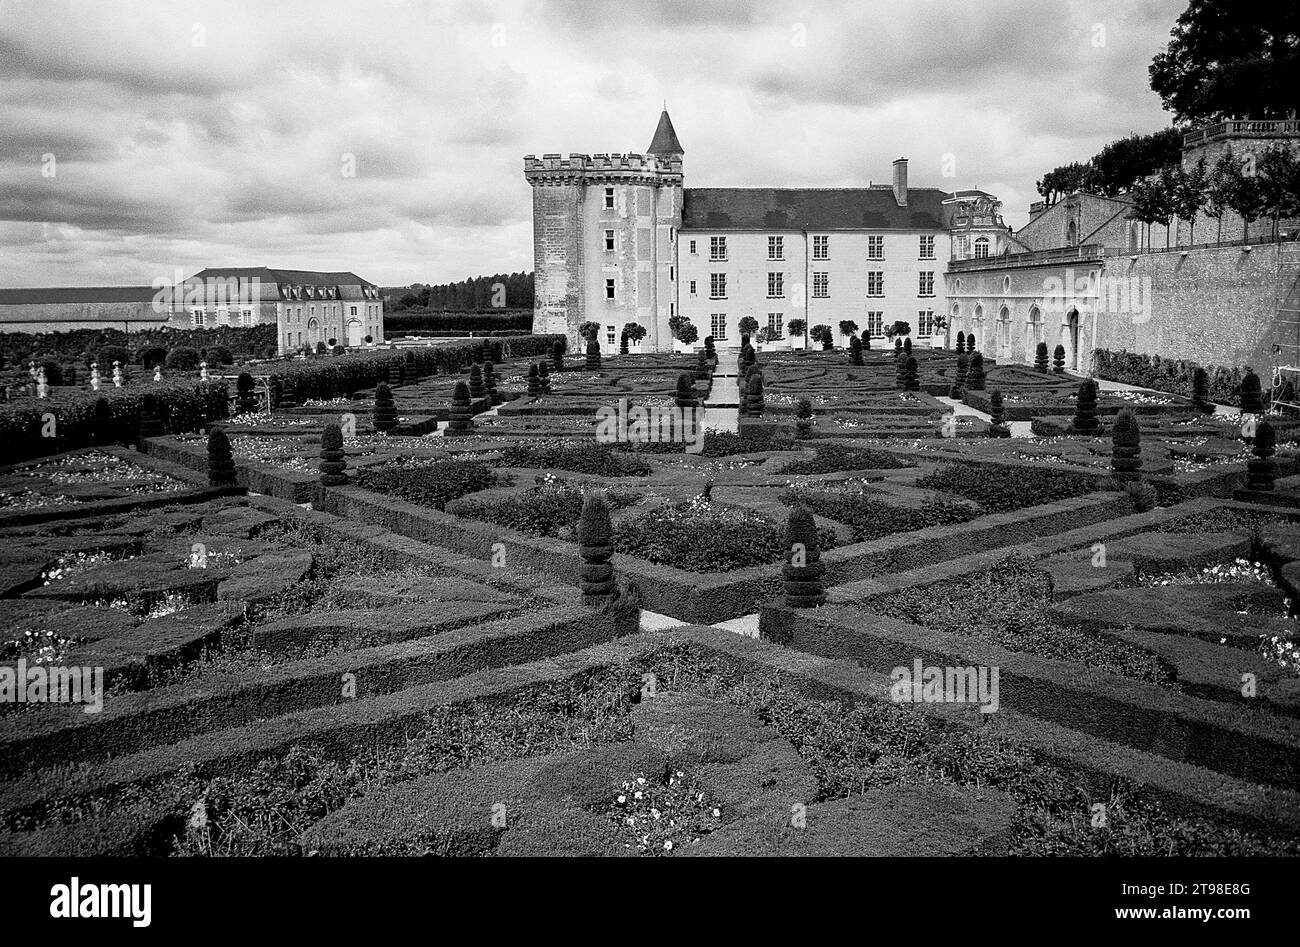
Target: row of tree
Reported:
point(474, 294)
point(1117, 168)
point(1263, 186)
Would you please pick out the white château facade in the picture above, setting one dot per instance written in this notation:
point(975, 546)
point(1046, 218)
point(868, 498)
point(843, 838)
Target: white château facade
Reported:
point(618, 238)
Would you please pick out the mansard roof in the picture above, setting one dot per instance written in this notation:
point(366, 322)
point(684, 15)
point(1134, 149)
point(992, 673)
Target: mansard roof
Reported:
point(770, 208)
point(76, 294)
point(665, 140)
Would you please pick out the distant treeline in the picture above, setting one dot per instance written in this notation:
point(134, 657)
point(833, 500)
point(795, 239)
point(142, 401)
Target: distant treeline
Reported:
point(496, 320)
point(476, 294)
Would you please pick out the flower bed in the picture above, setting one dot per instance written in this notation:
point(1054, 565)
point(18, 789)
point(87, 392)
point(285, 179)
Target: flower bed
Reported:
point(1003, 489)
point(431, 483)
point(835, 458)
point(855, 504)
point(551, 508)
point(700, 536)
point(583, 457)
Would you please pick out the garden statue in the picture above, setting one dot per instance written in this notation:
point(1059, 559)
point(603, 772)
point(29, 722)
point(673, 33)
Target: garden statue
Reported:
point(117, 374)
point(42, 386)
point(94, 376)
point(203, 371)
point(157, 372)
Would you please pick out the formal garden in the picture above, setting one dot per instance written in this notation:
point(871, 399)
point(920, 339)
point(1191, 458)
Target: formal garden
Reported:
point(502, 598)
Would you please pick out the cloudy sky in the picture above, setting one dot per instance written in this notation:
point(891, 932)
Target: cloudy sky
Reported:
point(386, 136)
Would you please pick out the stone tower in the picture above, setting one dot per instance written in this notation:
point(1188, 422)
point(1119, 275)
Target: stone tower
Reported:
point(605, 240)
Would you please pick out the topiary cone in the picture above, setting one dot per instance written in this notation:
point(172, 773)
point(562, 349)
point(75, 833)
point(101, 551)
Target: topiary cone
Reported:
point(754, 404)
point(221, 462)
point(1085, 407)
point(595, 533)
point(593, 354)
point(959, 380)
point(910, 380)
point(490, 383)
point(544, 377)
point(385, 409)
point(685, 395)
point(997, 416)
point(1252, 399)
point(1126, 449)
point(460, 416)
point(855, 351)
point(557, 355)
point(803, 568)
point(907, 346)
point(1261, 469)
point(975, 380)
point(1040, 358)
point(1201, 391)
point(476, 390)
point(245, 399)
point(332, 459)
point(961, 342)
point(1058, 360)
point(534, 381)
point(803, 413)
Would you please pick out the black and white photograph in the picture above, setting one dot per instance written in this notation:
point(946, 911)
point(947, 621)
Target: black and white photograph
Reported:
point(746, 429)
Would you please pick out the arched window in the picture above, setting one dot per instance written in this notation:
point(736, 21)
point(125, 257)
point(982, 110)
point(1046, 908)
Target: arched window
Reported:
point(1072, 234)
point(981, 247)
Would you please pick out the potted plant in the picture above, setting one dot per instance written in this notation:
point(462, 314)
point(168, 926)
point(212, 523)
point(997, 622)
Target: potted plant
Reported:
point(748, 326)
point(798, 333)
point(848, 329)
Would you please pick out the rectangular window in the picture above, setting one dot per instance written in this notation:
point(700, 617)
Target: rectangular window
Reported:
point(609, 334)
point(717, 285)
point(875, 247)
point(672, 273)
point(821, 248)
point(925, 322)
point(718, 325)
point(717, 248)
point(875, 323)
point(692, 246)
point(609, 241)
point(609, 198)
point(876, 283)
point(774, 324)
point(775, 285)
point(198, 317)
point(926, 281)
point(821, 285)
point(776, 248)
point(354, 310)
point(692, 287)
point(609, 289)
point(927, 246)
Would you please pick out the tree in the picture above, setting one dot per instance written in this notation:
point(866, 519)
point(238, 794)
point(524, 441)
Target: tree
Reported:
point(1245, 198)
point(796, 327)
point(589, 330)
point(748, 325)
point(848, 327)
point(1189, 195)
point(1124, 162)
point(1224, 178)
point(688, 333)
point(1227, 58)
point(1278, 170)
point(1168, 184)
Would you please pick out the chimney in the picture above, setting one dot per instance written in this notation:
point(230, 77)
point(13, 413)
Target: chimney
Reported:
point(900, 182)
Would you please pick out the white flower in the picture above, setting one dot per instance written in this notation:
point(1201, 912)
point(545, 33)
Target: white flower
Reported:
point(717, 813)
point(637, 796)
point(654, 813)
point(668, 844)
point(622, 799)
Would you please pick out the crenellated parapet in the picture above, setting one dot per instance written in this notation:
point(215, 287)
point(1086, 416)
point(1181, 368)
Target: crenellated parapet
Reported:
point(554, 169)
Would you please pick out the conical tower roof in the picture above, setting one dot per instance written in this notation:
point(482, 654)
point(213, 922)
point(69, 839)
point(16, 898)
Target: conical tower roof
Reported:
point(665, 141)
